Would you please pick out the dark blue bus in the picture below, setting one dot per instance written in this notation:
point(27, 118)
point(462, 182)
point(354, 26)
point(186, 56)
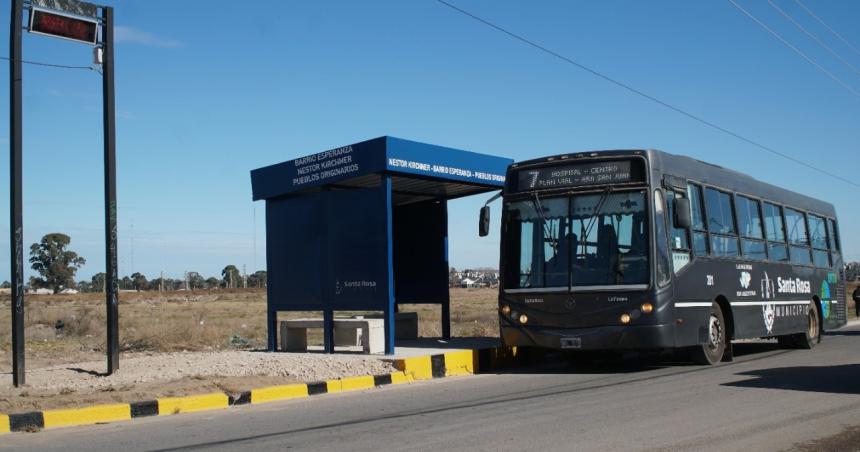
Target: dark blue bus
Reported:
point(642, 249)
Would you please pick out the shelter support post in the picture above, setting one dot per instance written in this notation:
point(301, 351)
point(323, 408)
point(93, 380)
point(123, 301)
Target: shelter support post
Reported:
point(446, 318)
point(272, 322)
point(328, 331)
point(446, 303)
point(389, 232)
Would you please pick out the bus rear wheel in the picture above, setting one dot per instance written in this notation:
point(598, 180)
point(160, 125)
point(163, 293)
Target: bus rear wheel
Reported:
point(809, 338)
point(711, 352)
point(812, 335)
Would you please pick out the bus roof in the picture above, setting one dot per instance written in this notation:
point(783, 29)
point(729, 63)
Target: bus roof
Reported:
point(704, 172)
point(711, 174)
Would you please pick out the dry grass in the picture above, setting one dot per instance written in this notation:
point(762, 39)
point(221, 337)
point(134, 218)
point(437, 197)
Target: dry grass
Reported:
point(194, 321)
point(474, 313)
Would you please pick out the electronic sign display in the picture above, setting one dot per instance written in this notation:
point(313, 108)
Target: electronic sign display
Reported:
point(52, 23)
point(580, 175)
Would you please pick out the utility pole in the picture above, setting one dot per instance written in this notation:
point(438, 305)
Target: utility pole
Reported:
point(15, 203)
point(108, 111)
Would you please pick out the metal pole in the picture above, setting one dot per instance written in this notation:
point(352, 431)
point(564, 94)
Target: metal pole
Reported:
point(388, 314)
point(112, 293)
point(446, 302)
point(15, 203)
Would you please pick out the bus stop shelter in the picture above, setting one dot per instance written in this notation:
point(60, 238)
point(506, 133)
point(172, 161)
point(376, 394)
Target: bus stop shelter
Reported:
point(364, 227)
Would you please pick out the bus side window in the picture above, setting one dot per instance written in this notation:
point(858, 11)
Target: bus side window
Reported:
point(678, 239)
point(721, 223)
point(835, 234)
point(749, 224)
point(700, 236)
point(818, 239)
point(833, 243)
point(775, 233)
point(797, 237)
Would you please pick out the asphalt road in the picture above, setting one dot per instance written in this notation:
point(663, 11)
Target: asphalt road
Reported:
point(768, 399)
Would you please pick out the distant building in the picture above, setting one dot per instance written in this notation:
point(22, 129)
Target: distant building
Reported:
point(473, 278)
point(852, 271)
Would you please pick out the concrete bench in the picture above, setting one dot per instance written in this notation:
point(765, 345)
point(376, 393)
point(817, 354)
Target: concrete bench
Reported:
point(368, 333)
point(405, 325)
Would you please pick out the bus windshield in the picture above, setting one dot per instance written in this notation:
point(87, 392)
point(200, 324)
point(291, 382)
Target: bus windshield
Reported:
point(595, 239)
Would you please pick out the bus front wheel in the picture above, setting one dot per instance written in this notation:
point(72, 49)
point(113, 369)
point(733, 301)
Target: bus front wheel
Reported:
point(711, 352)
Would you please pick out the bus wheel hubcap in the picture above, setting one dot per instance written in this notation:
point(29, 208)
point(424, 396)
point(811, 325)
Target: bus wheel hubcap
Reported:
point(813, 324)
point(716, 333)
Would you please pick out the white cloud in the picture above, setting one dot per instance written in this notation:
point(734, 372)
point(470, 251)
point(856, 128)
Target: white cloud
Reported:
point(135, 36)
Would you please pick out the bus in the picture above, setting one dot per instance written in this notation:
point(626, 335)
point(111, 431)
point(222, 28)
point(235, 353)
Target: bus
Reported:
point(647, 250)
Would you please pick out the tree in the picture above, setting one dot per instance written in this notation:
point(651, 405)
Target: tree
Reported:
point(158, 284)
point(97, 282)
point(212, 283)
point(173, 284)
point(258, 279)
point(231, 277)
point(55, 263)
point(195, 281)
point(138, 281)
point(126, 284)
point(85, 286)
point(6, 285)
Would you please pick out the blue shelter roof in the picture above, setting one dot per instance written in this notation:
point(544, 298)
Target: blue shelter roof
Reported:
point(419, 171)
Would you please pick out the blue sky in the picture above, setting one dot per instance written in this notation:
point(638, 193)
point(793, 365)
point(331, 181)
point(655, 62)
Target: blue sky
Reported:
point(207, 91)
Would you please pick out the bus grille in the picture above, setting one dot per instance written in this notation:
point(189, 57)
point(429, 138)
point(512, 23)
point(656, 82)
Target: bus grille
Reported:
point(842, 305)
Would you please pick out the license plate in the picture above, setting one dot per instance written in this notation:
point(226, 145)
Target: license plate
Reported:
point(571, 342)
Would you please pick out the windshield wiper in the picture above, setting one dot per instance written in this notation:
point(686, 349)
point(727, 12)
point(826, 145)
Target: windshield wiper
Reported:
point(546, 228)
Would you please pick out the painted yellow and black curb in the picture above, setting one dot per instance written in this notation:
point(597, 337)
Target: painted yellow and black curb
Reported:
point(461, 362)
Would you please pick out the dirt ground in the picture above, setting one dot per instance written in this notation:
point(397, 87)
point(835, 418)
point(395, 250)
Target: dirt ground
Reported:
point(161, 333)
point(144, 376)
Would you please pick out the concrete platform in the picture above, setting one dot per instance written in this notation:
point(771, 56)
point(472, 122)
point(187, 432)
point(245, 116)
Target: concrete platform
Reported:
point(431, 346)
point(423, 347)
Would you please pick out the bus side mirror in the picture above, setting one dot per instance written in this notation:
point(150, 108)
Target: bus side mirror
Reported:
point(484, 222)
point(682, 218)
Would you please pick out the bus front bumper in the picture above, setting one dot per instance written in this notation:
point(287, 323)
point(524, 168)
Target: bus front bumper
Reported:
point(630, 337)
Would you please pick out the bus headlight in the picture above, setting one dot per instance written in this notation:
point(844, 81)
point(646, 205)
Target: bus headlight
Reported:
point(625, 318)
point(646, 308)
point(524, 318)
point(506, 310)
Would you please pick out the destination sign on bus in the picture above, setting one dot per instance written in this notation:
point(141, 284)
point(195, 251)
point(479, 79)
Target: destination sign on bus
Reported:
point(578, 175)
